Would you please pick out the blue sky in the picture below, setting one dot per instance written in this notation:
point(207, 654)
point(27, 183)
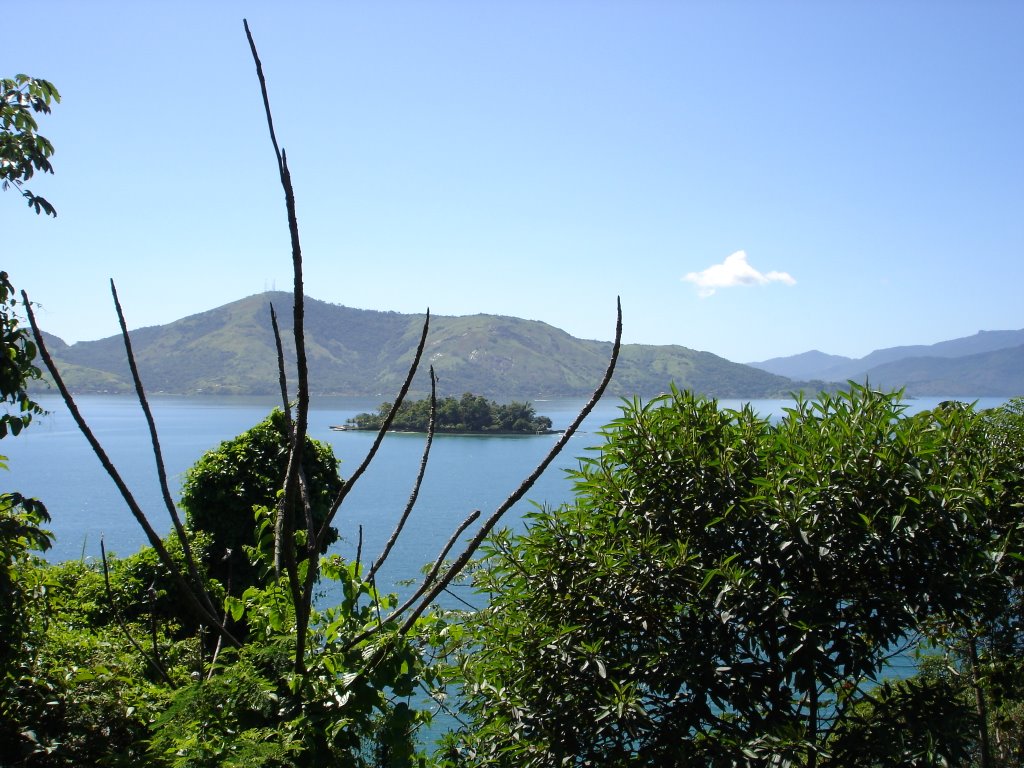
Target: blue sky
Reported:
point(753, 179)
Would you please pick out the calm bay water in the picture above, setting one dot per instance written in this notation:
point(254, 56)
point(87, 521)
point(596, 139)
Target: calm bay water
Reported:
point(53, 462)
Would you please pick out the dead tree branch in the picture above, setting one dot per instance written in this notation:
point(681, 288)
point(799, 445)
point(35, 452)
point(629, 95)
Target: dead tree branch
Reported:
point(282, 377)
point(191, 592)
point(417, 484)
point(154, 439)
point(463, 559)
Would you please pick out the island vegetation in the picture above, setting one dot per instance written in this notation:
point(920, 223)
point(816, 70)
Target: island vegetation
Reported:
point(470, 414)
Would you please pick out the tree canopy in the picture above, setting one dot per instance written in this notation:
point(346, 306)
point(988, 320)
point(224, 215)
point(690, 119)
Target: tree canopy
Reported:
point(727, 591)
point(470, 413)
point(232, 487)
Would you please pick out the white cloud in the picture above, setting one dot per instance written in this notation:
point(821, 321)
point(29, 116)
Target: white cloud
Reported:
point(732, 272)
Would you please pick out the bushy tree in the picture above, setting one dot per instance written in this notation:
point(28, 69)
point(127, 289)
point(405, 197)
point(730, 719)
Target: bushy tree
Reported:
point(226, 488)
point(724, 590)
point(984, 644)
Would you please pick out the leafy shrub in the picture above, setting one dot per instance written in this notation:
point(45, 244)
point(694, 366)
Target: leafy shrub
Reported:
point(224, 488)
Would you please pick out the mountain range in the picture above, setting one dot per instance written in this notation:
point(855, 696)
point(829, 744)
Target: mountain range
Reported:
point(231, 350)
point(989, 363)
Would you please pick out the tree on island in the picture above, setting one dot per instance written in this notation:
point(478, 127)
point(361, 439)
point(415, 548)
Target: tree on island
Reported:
point(470, 413)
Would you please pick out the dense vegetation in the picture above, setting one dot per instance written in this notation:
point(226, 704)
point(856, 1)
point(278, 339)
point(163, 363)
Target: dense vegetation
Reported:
point(470, 413)
point(727, 591)
point(108, 663)
point(227, 484)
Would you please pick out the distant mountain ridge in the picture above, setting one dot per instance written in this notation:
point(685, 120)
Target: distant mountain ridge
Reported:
point(231, 350)
point(989, 363)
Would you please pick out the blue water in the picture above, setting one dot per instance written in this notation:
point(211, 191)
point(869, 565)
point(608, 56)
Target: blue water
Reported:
point(53, 462)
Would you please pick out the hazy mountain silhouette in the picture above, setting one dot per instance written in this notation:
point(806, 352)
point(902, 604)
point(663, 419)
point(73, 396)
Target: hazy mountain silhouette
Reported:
point(989, 363)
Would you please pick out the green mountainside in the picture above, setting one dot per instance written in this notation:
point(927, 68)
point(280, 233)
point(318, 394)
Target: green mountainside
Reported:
point(230, 350)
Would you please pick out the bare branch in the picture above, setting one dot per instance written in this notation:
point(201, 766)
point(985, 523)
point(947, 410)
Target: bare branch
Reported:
point(285, 405)
point(119, 620)
point(382, 431)
point(463, 559)
point(417, 485)
point(359, 548)
point(284, 524)
point(299, 309)
point(263, 88)
point(303, 608)
point(427, 581)
point(161, 471)
point(188, 590)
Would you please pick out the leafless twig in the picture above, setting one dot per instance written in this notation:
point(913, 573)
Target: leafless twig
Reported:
point(416, 485)
point(191, 592)
point(161, 471)
point(282, 378)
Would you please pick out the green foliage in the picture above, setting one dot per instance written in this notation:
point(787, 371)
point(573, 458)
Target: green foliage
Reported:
point(922, 721)
point(99, 658)
point(21, 518)
point(79, 692)
point(23, 151)
point(725, 590)
point(88, 692)
point(21, 534)
point(16, 364)
point(137, 589)
point(471, 413)
point(985, 642)
point(353, 704)
point(224, 488)
point(226, 719)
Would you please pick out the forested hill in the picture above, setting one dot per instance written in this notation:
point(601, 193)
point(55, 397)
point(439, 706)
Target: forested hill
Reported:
point(230, 350)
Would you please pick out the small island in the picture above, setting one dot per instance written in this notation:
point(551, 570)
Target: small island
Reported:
point(471, 414)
